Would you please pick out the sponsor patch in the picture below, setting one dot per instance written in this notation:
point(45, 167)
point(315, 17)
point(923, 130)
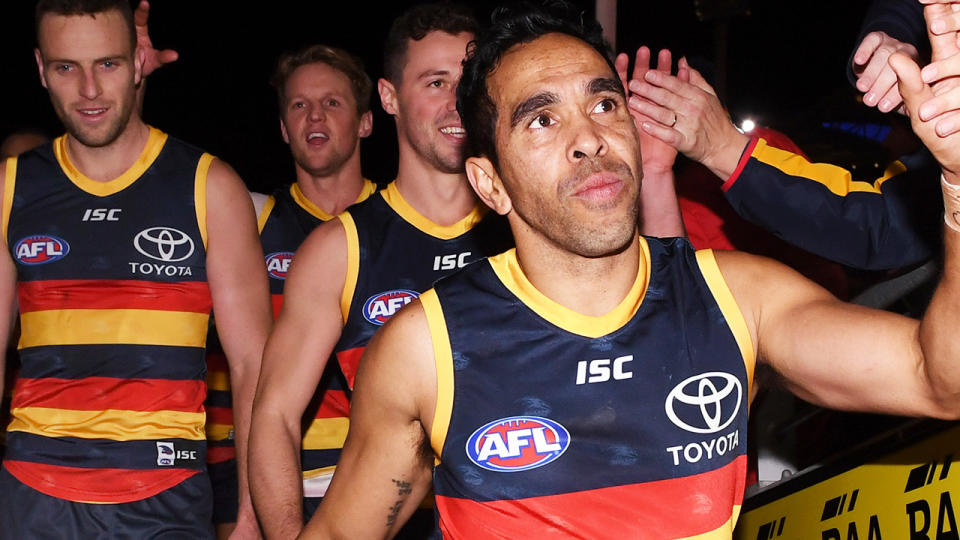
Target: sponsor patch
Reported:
point(705, 403)
point(164, 244)
point(40, 249)
point(380, 307)
point(278, 263)
point(518, 443)
point(165, 454)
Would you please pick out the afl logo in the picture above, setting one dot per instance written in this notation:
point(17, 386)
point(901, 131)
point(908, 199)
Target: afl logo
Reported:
point(380, 307)
point(705, 403)
point(40, 249)
point(278, 263)
point(518, 443)
point(164, 244)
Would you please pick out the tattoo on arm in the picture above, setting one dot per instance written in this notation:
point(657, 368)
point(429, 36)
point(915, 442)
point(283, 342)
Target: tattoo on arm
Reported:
point(403, 489)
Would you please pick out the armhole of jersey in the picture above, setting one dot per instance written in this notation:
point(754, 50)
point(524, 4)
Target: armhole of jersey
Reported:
point(731, 311)
point(200, 194)
point(353, 264)
point(263, 213)
point(9, 184)
point(443, 360)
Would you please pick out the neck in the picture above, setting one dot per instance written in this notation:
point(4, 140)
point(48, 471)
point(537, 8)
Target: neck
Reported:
point(588, 285)
point(441, 197)
point(335, 192)
point(105, 163)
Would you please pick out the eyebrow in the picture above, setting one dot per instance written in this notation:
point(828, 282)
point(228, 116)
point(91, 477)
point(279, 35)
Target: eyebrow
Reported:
point(433, 73)
point(531, 104)
point(605, 84)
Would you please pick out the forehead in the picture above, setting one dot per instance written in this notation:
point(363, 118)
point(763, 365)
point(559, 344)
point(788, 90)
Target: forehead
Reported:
point(548, 63)
point(437, 51)
point(318, 77)
point(100, 35)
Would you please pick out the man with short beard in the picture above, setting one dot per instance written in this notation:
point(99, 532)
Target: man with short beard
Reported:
point(120, 239)
point(353, 272)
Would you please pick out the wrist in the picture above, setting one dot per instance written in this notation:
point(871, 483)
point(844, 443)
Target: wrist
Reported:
point(723, 161)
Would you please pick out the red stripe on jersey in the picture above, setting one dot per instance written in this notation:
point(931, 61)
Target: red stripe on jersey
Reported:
point(349, 361)
point(220, 415)
point(678, 507)
point(192, 296)
point(112, 485)
point(742, 164)
point(334, 405)
point(219, 454)
point(277, 301)
point(99, 393)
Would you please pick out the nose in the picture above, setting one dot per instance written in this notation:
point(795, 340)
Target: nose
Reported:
point(586, 140)
point(89, 85)
point(317, 113)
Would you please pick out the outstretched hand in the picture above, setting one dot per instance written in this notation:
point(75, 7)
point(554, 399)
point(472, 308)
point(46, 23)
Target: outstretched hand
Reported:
point(875, 78)
point(658, 156)
point(154, 58)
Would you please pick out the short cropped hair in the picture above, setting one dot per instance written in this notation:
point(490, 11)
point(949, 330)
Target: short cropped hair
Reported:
point(339, 59)
point(86, 7)
point(414, 24)
point(510, 26)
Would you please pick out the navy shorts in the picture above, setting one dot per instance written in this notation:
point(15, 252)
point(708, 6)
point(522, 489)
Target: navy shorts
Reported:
point(178, 513)
point(225, 485)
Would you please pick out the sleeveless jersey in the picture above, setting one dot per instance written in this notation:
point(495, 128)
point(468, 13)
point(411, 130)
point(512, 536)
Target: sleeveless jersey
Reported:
point(114, 307)
point(285, 220)
point(553, 424)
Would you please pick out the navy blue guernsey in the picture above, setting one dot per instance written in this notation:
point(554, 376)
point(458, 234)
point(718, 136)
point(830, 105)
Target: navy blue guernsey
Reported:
point(394, 254)
point(114, 308)
point(553, 424)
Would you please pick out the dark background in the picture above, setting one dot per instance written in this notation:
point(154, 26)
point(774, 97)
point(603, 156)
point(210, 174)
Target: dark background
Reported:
point(785, 67)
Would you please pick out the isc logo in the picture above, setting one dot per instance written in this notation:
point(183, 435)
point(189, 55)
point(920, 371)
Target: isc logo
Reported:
point(602, 370)
point(278, 263)
point(518, 443)
point(40, 249)
point(450, 262)
point(102, 214)
point(167, 454)
point(380, 307)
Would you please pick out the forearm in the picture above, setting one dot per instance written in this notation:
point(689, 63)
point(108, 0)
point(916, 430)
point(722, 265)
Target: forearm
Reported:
point(659, 206)
point(275, 477)
point(243, 382)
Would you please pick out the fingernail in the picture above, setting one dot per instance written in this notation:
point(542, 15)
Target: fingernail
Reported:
point(944, 128)
point(938, 26)
point(646, 126)
point(928, 73)
point(651, 75)
point(862, 85)
point(926, 112)
point(885, 105)
point(870, 99)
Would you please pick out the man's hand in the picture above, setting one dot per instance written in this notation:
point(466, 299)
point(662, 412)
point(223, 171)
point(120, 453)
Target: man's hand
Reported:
point(688, 116)
point(154, 58)
point(658, 156)
point(875, 78)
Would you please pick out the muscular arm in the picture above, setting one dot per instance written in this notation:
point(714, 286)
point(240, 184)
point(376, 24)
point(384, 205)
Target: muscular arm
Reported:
point(385, 469)
point(241, 304)
point(302, 340)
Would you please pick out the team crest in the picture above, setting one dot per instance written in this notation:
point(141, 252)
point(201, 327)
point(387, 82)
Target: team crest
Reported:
point(40, 249)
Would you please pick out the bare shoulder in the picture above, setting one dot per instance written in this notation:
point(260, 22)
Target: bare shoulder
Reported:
point(325, 245)
point(223, 182)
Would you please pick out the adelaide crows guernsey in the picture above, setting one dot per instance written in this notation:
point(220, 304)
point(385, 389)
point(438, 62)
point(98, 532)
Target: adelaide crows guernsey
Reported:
point(553, 424)
point(393, 254)
point(286, 219)
point(114, 307)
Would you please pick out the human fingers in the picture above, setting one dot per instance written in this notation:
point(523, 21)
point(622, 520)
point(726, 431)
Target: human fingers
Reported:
point(885, 88)
point(866, 48)
point(620, 63)
point(653, 111)
point(694, 77)
point(664, 61)
point(947, 22)
point(641, 63)
point(941, 69)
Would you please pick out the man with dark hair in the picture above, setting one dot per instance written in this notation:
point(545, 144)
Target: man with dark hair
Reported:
point(353, 272)
point(594, 383)
point(120, 240)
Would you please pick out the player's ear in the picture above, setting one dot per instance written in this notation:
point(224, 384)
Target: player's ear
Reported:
point(283, 131)
point(139, 59)
point(487, 183)
point(366, 124)
point(39, 57)
point(388, 96)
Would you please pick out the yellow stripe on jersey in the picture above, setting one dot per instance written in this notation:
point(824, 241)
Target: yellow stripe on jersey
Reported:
point(731, 311)
point(508, 270)
point(265, 212)
point(113, 326)
point(322, 471)
point(326, 434)
point(200, 194)
point(443, 359)
point(218, 432)
point(837, 179)
point(353, 263)
point(307, 204)
point(723, 532)
point(112, 424)
point(9, 184)
point(218, 380)
point(151, 150)
point(445, 232)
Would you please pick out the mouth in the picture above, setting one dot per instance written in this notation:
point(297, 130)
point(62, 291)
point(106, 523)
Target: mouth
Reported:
point(317, 137)
point(600, 187)
point(93, 113)
point(456, 133)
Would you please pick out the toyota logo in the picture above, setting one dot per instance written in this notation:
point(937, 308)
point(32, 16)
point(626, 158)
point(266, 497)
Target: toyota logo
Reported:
point(706, 403)
point(164, 244)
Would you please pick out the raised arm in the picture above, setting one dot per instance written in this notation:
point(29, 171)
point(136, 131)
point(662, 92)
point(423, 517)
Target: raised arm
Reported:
point(299, 347)
point(241, 305)
point(385, 469)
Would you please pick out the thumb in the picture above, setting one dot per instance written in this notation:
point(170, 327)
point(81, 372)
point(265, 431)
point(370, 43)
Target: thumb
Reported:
point(911, 85)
